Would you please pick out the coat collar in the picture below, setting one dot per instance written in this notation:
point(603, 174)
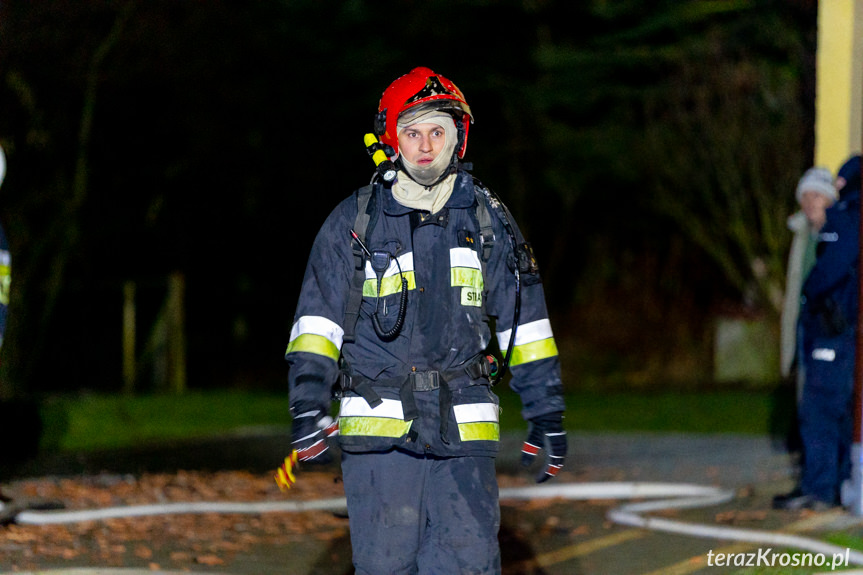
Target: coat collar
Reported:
point(462, 196)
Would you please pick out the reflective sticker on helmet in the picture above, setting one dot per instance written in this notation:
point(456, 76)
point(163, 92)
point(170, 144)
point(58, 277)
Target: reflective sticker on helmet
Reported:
point(433, 87)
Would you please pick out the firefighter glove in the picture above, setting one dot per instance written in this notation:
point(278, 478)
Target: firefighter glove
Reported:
point(545, 432)
point(309, 432)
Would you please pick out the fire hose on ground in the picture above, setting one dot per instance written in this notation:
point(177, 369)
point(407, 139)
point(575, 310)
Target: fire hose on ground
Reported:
point(652, 497)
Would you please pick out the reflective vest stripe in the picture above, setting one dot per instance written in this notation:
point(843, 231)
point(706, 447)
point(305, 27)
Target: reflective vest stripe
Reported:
point(392, 281)
point(533, 351)
point(479, 431)
point(356, 417)
point(533, 341)
point(318, 325)
point(471, 412)
point(316, 334)
point(5, 281)
point(526, 333)
point(373, 426)
point(405, 262)
point(466, 277)
point(465, 268)
point(477, 421)
point(389, 285)
point(312, 343)
point(464, 258)
point(359, 407)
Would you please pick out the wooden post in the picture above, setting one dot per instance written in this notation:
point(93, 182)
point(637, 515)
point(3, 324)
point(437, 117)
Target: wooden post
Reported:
point(176, 332)
point(129, 360)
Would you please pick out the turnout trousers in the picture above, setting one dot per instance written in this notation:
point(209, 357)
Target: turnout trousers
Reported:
point(414, 514)
point(826, 417)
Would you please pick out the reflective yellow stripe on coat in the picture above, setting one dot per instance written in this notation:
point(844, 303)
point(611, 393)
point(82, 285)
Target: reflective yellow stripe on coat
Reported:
point(466, 273)
point(392, 278)
point(478, 421)
point(316, 334)
point(356, 417)
point(533, 341)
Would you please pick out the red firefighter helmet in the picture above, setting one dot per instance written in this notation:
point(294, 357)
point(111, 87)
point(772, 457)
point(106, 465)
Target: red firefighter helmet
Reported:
point(420, 87)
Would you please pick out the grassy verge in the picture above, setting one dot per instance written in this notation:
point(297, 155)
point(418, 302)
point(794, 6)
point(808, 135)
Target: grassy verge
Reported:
point(107, 421)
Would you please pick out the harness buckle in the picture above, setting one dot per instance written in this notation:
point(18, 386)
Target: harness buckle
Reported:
point(425, 380)
point(481, 366)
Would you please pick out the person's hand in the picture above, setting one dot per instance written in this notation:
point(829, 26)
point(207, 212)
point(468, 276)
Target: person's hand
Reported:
point(545, 432)
point(309, 431)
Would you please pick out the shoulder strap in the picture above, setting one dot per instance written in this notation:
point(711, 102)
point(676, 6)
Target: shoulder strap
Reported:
point(361, 225)
point(485, 197)
point(365, 220)
point(486, 231)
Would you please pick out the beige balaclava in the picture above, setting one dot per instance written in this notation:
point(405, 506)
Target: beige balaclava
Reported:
point(419, 191)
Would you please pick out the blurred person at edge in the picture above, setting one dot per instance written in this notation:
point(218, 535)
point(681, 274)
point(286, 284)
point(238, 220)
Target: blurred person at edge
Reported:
point(815, 193)
point(828, 319)
point(418, 420)
point(5, 263)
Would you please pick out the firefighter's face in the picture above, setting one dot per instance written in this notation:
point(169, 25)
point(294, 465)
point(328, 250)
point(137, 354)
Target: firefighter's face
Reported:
point(421, 143)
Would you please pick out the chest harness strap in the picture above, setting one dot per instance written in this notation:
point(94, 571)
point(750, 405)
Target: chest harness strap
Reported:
point(366, 212)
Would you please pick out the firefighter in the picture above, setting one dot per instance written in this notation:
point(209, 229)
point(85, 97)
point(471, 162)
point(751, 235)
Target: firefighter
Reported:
point(395, 307)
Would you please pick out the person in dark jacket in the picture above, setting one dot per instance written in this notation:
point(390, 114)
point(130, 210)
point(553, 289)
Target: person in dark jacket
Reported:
point(395, 305)
point(829, 318)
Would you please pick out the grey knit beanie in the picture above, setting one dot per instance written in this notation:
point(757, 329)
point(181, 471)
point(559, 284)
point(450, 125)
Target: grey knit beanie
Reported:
point(817, 179)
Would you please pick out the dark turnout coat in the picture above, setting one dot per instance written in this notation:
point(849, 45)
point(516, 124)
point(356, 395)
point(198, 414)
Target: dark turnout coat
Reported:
point(419, 392)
